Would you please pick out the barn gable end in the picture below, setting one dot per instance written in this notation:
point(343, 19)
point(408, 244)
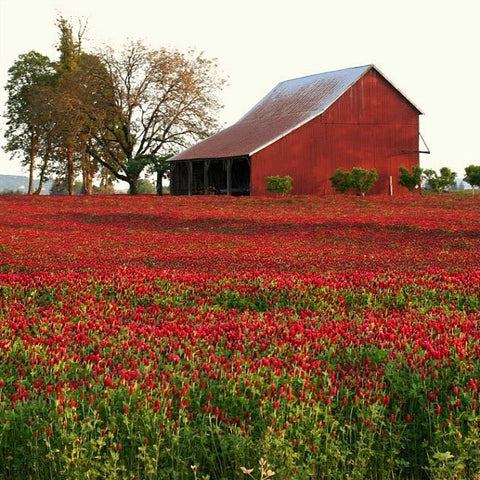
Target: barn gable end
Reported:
point(307, 128)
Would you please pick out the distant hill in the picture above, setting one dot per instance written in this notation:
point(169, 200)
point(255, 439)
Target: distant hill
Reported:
point(19, 184)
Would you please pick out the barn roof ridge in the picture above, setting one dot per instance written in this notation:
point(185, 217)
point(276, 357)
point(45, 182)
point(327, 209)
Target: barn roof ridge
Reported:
point(288, 106)
point(337, 70)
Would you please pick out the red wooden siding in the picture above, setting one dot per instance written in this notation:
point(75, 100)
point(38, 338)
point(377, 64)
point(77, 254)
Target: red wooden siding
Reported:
point(370, 126)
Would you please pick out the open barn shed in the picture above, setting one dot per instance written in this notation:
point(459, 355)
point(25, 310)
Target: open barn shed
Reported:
point(307, 128)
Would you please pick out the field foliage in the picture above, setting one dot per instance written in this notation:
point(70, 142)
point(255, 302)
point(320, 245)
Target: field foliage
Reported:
point(226, 338)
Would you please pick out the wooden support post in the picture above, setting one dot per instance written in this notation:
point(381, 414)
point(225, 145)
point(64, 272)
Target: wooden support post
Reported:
point(229, 175)
point(173, 178)
point(190, 177)
point(206, 165)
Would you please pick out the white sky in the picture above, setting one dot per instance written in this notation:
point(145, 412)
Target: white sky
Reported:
point(429, 49)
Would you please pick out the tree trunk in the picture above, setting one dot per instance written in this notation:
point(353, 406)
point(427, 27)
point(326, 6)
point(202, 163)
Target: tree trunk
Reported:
point(43, 170)
point(31, 165)
point(87, 174)
point(70, 171)
point(106, 184)
point(87, 187)
point(133, 183)
point(159, 183)
point(41, 179)
point(30, 176)
point(88, 171)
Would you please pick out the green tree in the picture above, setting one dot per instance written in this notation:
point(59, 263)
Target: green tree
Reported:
point(162, 100)
point(279, 184)
point(472, 176)
point(430, 176)
point(28, 113)
point(70, 119)
point(50, 108)
point(358, 179)
point(70, 48)
point(440, 182)
point(362, 180)
point(411, 180)
point(84, 99)
point(160, 167)
point(340, 181)
point(145, 187)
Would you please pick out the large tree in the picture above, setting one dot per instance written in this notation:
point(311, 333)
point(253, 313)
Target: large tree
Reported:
point(81, 109)
point(158, 102)
point(84, 97)
point(472, 176)
point(29, 113)
point(440, 182)
point(45, 110)
point(70, 120)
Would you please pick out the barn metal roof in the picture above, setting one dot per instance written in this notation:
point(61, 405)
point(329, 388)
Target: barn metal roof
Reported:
point(288, 106)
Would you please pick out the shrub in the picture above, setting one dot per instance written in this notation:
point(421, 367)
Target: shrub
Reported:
point(279, 184)
point(145, 187)
point(358, 179)
point(411, 180)
point(340, 181)
point(362, 180)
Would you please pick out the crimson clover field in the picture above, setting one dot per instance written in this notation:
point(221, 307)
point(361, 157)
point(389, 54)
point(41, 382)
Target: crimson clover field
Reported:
point(214, 337)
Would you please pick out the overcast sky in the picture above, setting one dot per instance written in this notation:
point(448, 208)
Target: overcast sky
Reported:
point(429, 49)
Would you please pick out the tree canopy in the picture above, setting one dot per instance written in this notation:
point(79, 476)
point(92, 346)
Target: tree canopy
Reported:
point(121, 111)
point(28, 113)
point(439, 182)
point(161, 100)
point(411, 179)
point(472, 176)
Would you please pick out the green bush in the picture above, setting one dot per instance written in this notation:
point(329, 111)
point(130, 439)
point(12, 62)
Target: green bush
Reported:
point(411, 180)
point(340, 181)
point(362, 180)
point(145, 187)
point(358, 179)
point(279, 184)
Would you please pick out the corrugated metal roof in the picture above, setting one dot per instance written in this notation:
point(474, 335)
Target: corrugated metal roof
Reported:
point(289, 105)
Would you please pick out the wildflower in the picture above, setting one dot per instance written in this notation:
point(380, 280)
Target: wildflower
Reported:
point(246, 471)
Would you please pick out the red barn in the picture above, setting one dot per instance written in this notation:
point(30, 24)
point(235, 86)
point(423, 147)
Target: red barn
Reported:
point(307, 128)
